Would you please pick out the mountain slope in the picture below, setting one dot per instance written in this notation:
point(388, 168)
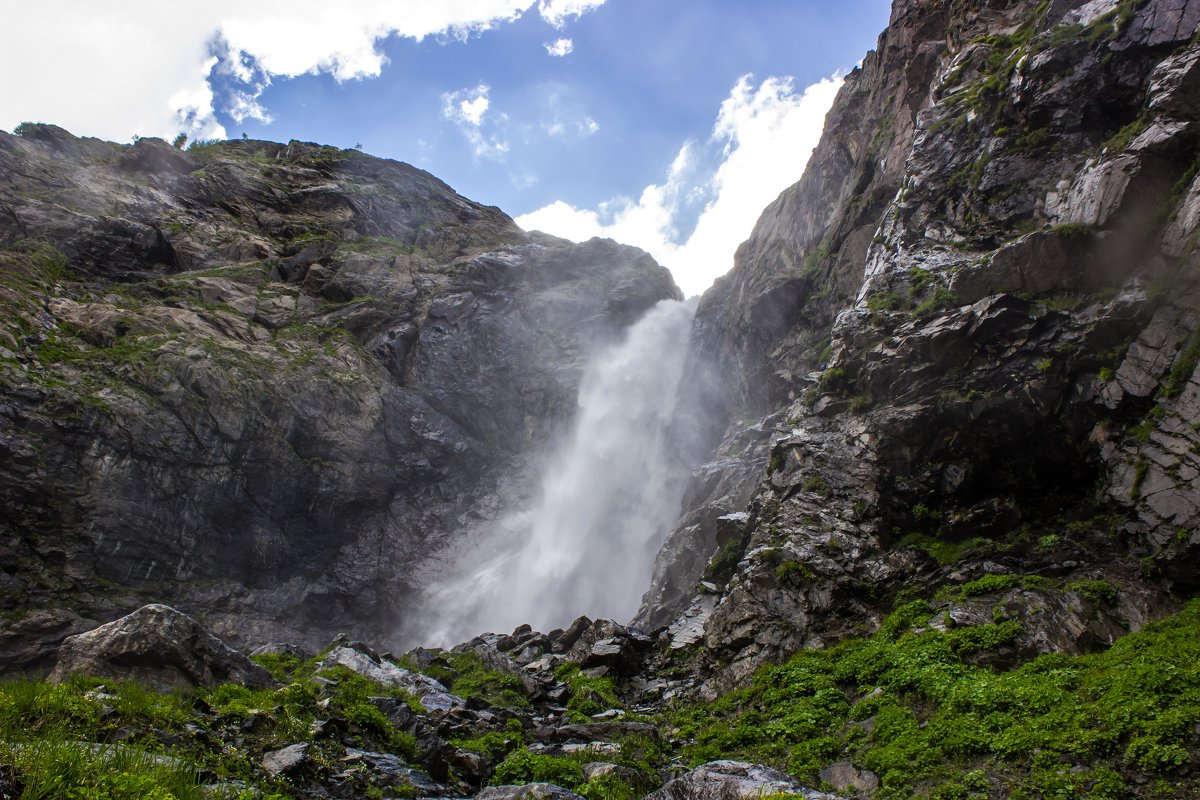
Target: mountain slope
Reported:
point(261, 380)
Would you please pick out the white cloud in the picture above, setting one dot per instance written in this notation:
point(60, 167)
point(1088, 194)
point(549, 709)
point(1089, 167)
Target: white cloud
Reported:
point(557, 12)
point(559, 47)
point(143, 66)
point(762, 138)
point(466, 108)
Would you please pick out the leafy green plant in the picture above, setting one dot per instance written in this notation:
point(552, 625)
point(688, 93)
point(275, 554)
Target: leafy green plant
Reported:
point(1097, 591)
point(524, 767)
point(587, 695)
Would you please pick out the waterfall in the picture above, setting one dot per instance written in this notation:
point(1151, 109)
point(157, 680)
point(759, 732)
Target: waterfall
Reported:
point(586, 543)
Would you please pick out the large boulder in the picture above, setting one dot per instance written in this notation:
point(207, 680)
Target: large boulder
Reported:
point(157, 645)
point(733, 780)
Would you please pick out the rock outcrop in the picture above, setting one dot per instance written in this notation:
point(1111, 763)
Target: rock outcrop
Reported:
point(263, 380)
point(969, 333)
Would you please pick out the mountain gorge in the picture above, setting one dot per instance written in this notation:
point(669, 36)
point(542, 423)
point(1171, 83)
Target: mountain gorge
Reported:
point(940, 539)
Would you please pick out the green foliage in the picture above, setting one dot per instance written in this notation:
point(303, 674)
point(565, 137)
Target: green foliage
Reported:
point(1106, 374)
point(860, 403)
point(609, 787)
point(926, 515)
point(833, 378)
point(524, 767)
point(283, 667)
point(989, 584)
point(939, 299)
point(1183, 368)
point(1121, 139)
point(1095, 591)
point(471, 678)
point(725, 559)
point(937, 716)
point(791, 569)
point(1044, 365)
point(880, 302)
point(814, 259)
point(587, 695)
point(818, 485)
point(495, 744)
point(46, 730)
point(945, 551)
point(1072, 231)
point(1141, 467)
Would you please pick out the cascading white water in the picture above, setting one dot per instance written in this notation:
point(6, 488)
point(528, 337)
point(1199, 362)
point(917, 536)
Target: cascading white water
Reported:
point(587, 544)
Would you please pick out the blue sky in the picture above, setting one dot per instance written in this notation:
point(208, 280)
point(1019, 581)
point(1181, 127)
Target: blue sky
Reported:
point(665, 123)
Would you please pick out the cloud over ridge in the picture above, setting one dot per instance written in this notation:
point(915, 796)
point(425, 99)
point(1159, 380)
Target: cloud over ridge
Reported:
point(713, 191)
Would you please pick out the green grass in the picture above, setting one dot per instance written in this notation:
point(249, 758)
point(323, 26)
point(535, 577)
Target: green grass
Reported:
point(1053, 727)
point(469, 678)
point(587, 695)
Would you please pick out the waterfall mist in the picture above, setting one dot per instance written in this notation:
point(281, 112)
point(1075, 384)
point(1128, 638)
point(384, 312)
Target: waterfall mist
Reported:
point(586, 543)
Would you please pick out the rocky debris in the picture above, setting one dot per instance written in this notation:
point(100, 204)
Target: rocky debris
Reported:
point(286, 760)
point(432, 695)
point(387, 770)
point(530, 791)
point(733, 780)
point(160, 646)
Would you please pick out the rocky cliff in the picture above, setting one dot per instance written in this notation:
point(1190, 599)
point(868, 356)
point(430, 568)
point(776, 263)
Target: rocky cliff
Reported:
point(972, 329)
point(260, 380)
point(943, 544)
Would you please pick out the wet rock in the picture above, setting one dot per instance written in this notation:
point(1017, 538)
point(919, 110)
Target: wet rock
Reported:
point(160, 646)
point(733, 780)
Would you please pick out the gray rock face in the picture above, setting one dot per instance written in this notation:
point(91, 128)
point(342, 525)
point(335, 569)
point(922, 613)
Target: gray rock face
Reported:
point(733, 780)
point(264, 380)
point(285, 760)
point(160, 646)
point(973, 318)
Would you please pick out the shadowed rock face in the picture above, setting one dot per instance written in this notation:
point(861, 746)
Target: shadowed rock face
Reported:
point(263, 379)
point(971, 328)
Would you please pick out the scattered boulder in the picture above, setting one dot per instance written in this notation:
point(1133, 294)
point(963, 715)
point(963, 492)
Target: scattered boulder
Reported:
point(733, 780)
point(844, 777)
point(160, 646)
point(285, 761)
